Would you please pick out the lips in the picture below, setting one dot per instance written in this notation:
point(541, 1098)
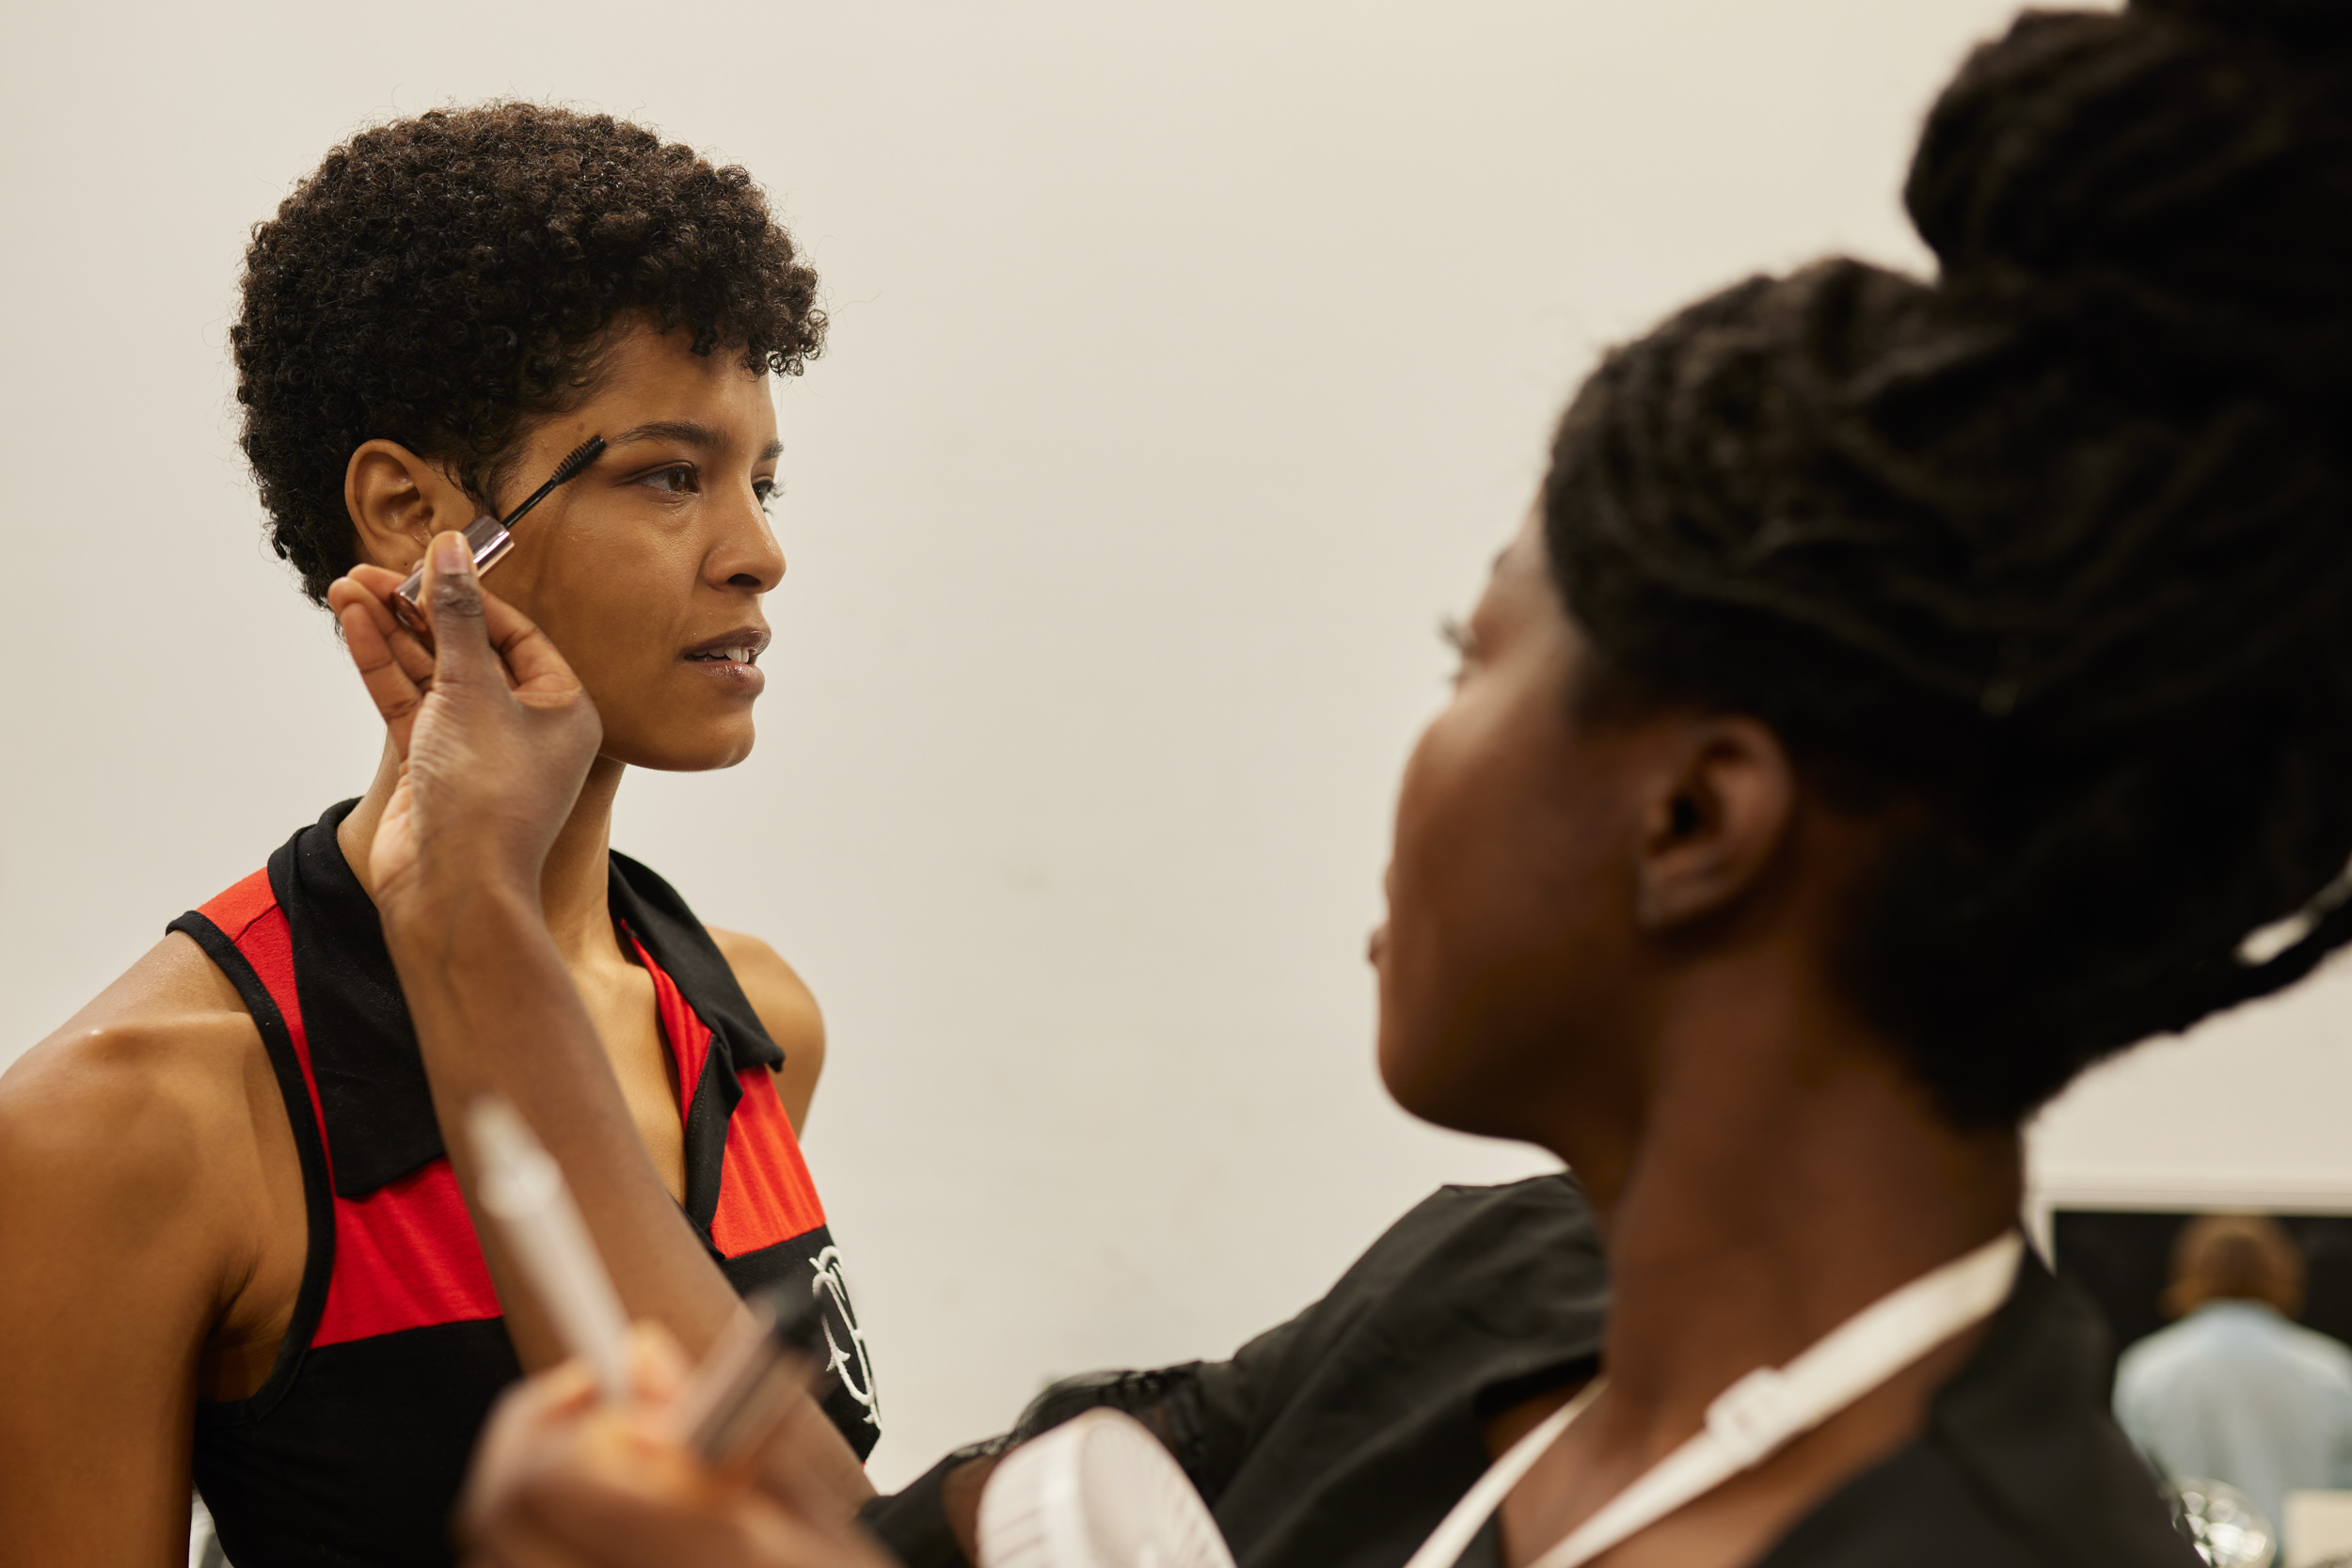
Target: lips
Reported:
point(732, 659)
point(742, 645)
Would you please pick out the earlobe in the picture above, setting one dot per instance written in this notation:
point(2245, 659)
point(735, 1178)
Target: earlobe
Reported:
point(397, 501)
point(1718, 812)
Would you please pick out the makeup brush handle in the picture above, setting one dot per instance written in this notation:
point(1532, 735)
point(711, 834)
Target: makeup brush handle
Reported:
point(489, 541)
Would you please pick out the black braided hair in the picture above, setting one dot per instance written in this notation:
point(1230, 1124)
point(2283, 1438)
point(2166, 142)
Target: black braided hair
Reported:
point(2051, 557)
point(443, 280)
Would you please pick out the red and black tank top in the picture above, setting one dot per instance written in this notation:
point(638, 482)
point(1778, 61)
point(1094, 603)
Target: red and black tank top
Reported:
point(353, 1450)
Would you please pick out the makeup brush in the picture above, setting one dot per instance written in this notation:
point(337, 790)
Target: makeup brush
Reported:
point(489, 538)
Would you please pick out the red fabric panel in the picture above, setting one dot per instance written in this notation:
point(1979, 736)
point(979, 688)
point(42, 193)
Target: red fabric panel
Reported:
point(687, 1036)
point(239, 908)
point(405, 1256)
point(767, 1196)
point(248, 914)
point(765, 1193)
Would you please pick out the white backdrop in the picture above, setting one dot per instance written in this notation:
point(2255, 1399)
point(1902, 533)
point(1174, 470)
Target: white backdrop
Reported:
point(1187, 364)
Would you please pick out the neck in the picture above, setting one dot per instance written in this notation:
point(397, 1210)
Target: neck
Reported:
point(1786, 1173)
point(573, 886)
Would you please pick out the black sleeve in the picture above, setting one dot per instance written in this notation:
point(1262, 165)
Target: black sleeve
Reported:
point(913, 1523)
point(1475, 1290)
point(1209, 1418)
point(1199, 1427)
point(1202, 1411)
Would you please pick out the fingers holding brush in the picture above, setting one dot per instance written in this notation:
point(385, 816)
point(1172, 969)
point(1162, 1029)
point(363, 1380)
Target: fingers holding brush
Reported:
point(389, 619)
point(396, 669)
point(376, 585)
point(396, 665)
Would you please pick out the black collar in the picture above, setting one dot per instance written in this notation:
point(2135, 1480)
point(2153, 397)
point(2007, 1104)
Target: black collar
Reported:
point(372, 1094)
point(2026, 1419)
point(2019, 1448)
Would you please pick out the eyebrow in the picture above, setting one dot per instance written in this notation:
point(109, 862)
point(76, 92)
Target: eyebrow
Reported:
point(689, 433)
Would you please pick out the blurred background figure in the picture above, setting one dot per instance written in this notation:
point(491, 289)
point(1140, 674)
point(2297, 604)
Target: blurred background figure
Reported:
point(2235, 1391)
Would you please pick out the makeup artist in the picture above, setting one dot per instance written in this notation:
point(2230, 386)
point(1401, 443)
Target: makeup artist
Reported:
point(1902, 694)
point(234, 1222)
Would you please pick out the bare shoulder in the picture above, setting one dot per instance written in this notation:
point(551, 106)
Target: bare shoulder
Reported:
point(145, 1157)
point(148, 1090)
point(775, 990)
point(133, 1211)
point(788, 1011)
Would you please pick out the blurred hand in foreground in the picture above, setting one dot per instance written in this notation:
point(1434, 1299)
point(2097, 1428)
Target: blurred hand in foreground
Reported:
point(560, 1480)
point(493, 731)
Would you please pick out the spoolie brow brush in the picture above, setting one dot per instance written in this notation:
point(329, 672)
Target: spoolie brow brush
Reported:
point(489, 538)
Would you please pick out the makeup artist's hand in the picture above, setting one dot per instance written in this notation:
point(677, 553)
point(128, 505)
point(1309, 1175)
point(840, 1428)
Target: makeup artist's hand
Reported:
point(563, 1481)
point(495, 733)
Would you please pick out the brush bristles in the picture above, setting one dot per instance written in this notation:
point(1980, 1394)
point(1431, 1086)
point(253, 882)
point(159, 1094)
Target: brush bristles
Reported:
point(580, 457)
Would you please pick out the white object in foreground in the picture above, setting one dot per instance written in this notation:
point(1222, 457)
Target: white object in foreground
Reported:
point(1096, 1492)
point(522, 1188)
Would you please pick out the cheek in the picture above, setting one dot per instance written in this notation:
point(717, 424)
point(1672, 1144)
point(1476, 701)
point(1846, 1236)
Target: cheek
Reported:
point(1495, 887)
point(611, 605)
point(620, 606)
point(1480, 807)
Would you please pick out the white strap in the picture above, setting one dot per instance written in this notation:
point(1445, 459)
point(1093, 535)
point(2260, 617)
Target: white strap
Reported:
point(1461, 1525)
point(1753, 1418)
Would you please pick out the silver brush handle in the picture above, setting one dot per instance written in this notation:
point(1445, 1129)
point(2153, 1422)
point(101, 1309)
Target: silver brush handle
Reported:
point(489, 541)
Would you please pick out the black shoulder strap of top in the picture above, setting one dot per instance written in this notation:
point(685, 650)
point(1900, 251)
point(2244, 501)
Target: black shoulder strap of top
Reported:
point(363, 1047)
point(678, 943)
point(318, 1264)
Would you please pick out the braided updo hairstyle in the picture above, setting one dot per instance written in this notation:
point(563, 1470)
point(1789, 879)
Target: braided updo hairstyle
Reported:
point(443, 280)
point(2051, 556)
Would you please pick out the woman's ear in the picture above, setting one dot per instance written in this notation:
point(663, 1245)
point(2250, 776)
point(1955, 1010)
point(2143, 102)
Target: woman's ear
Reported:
point(1717, 812)
point(398, 502)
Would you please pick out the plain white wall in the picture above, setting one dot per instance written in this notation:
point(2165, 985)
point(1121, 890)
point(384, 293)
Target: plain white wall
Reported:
point(1187, 364)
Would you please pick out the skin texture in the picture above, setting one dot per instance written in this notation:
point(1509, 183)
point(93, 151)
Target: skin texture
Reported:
point(152, 1222)
point(1610, 936)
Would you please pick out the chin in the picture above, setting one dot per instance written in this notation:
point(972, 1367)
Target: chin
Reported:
point(1414, 1071)
point(670, 751)
point(1449, 1076)
point(1411, 1057)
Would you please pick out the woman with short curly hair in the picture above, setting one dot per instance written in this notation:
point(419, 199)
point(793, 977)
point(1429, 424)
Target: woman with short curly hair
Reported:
point(235, 1239)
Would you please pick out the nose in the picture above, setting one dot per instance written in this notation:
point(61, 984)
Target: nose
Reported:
point(746, 554)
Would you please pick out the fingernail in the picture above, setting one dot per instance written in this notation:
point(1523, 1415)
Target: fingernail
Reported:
point(451, 555)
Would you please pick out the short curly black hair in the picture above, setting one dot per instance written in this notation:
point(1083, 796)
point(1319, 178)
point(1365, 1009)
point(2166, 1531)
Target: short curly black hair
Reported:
point(442, 282)
point(2054, 552)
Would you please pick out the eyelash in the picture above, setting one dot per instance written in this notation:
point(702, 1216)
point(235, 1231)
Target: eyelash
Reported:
point(765, 489)
point(1456, 636)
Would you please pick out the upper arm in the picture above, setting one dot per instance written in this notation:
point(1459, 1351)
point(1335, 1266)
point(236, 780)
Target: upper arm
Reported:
point(113, 1224)
point(786, 1010)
